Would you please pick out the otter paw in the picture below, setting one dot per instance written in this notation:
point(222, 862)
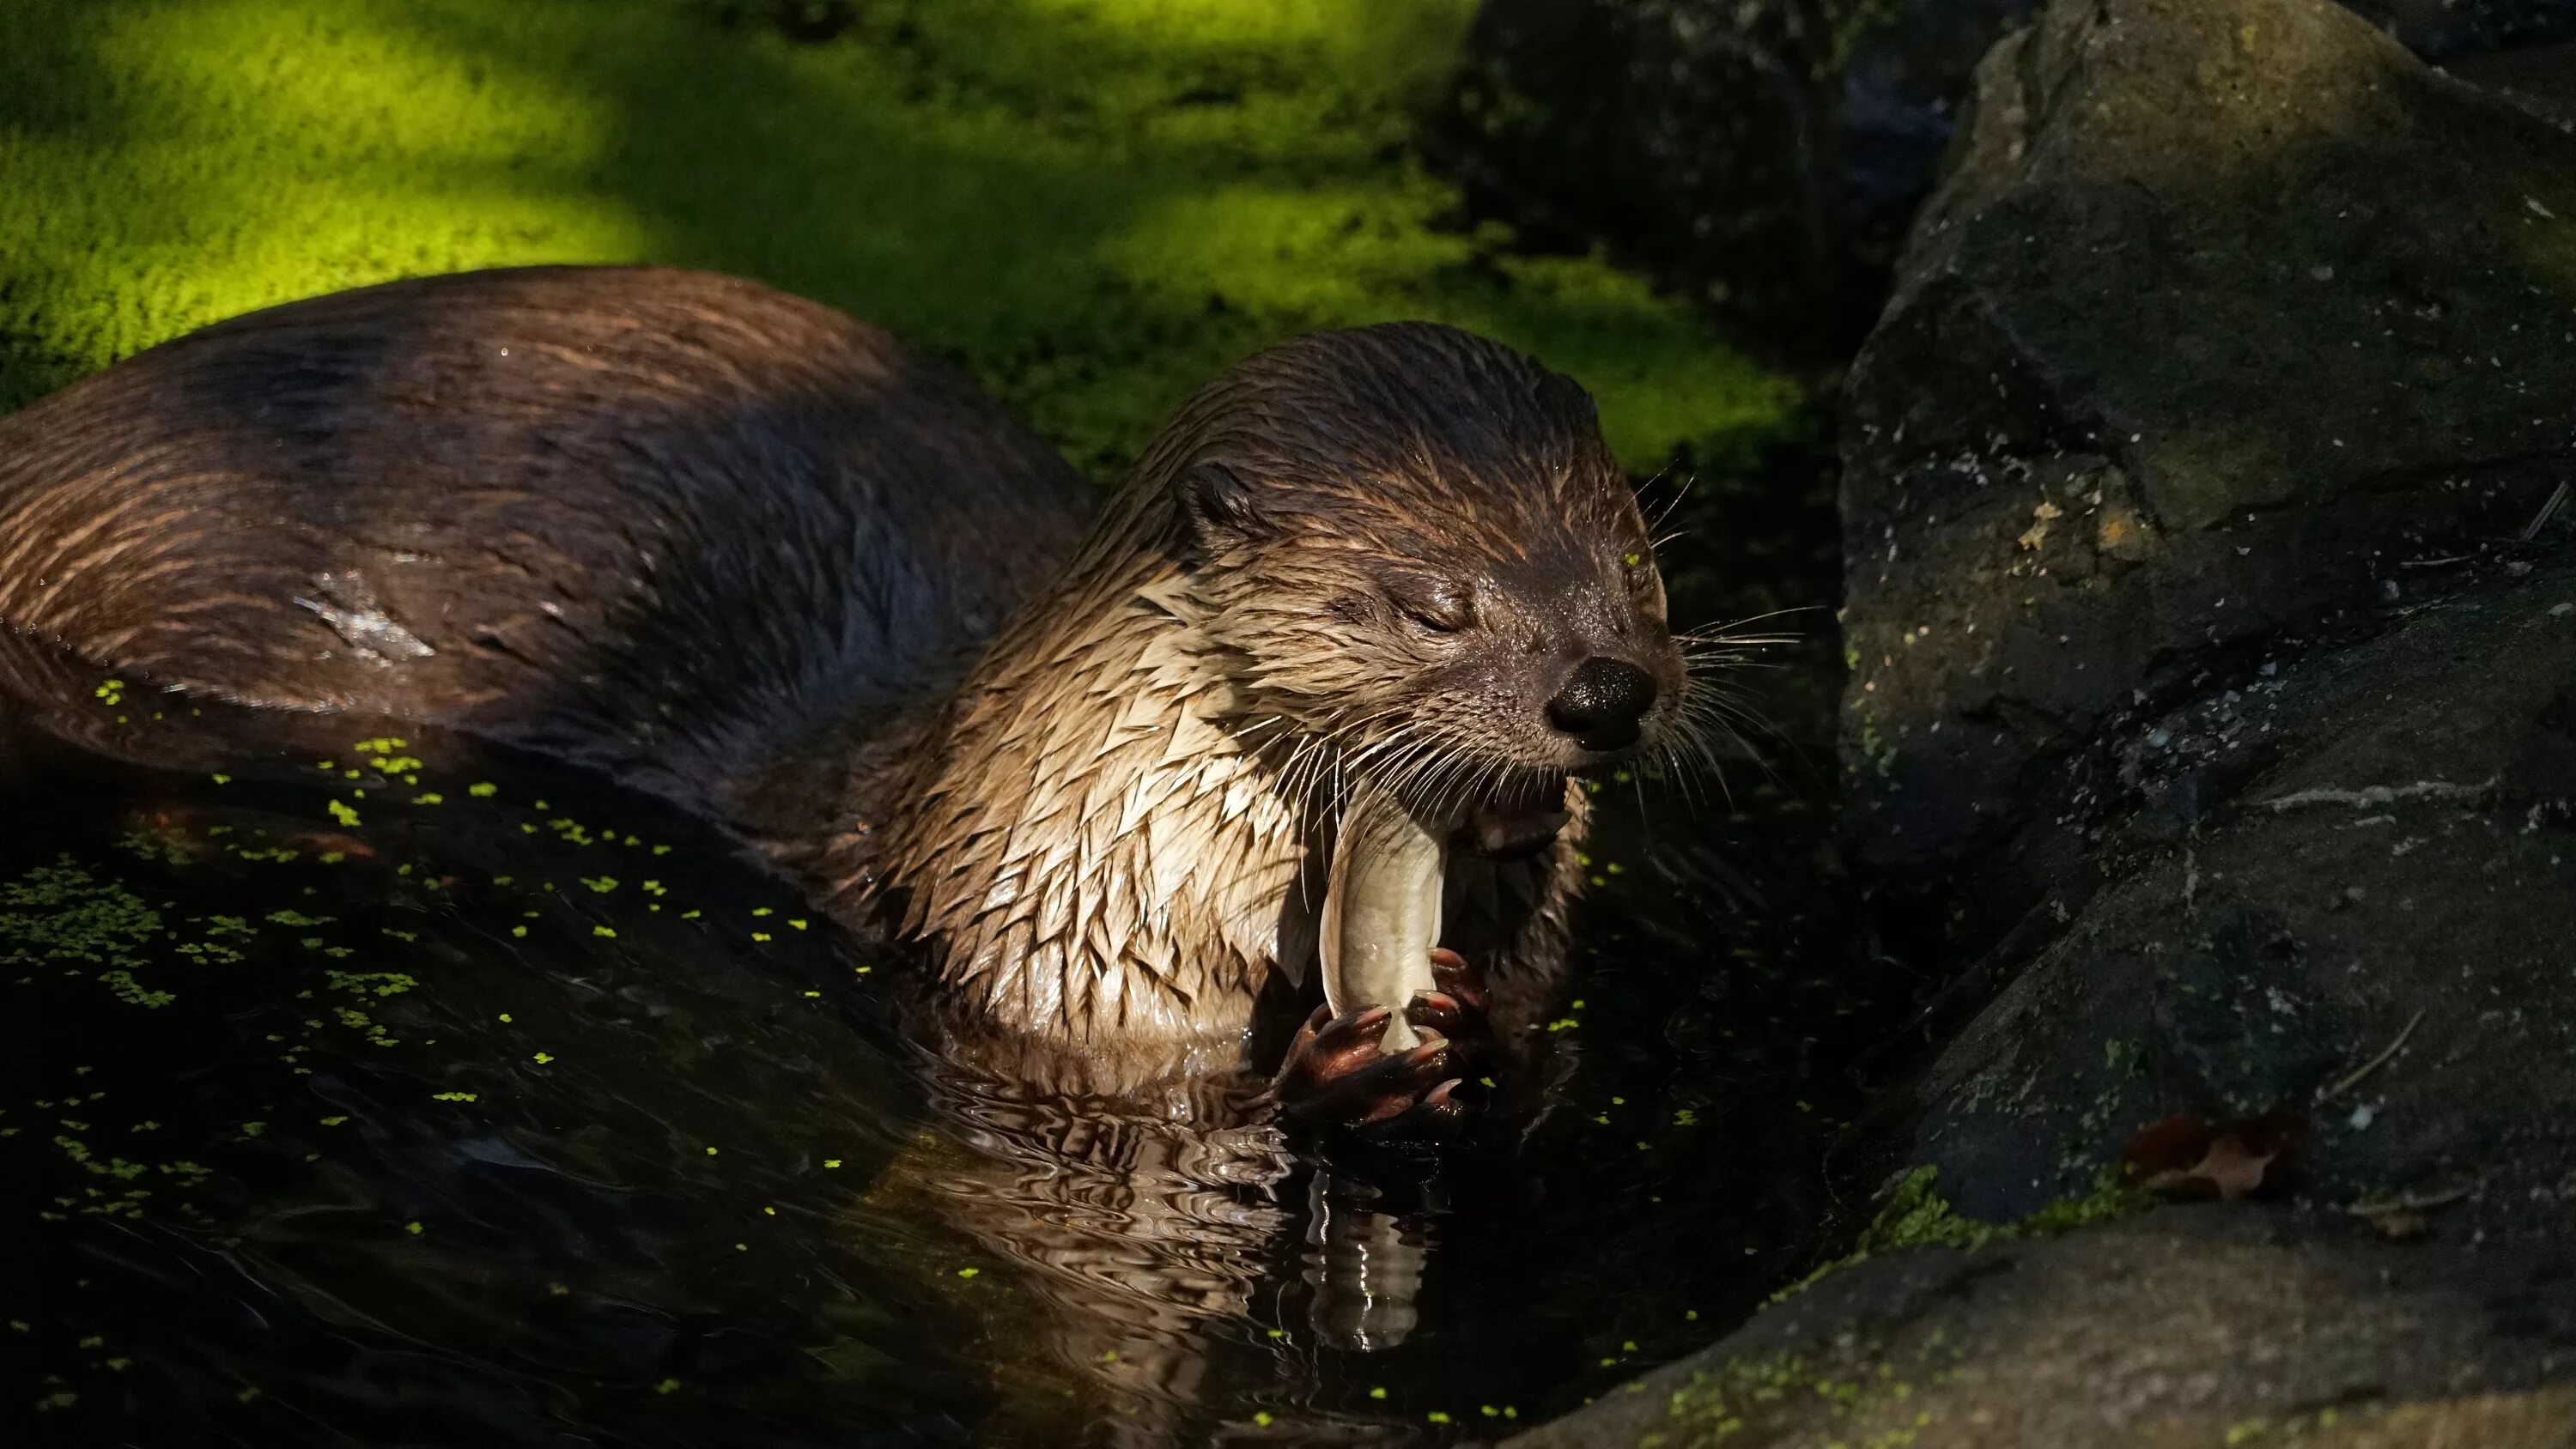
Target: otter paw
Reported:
point(1339, 1074)
point(1457, 1009)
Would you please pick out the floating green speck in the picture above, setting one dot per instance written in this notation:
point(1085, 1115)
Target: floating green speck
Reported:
point(454, 1097)
point(428, 797)
point(542, 1058)
point(968, 1272)
point(831, 1162)
point(412, 1228)
point(517, 931)
point(482, 789)
point(343, 813)
point(603, 930)
point(223, 779)
point(333, 1121)
point(667, 1386)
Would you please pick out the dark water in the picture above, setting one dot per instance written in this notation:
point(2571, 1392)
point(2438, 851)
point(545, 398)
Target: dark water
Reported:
point(390, 1091)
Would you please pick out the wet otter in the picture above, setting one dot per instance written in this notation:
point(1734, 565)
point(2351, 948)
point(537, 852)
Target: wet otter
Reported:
point(745, 550)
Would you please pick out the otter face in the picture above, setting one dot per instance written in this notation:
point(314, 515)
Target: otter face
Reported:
point(1418, 555)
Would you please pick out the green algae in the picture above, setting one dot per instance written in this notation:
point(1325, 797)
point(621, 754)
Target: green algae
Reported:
point(1093, 204)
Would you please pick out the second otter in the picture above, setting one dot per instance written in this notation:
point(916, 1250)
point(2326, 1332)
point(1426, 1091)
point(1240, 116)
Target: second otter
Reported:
point(747, 551)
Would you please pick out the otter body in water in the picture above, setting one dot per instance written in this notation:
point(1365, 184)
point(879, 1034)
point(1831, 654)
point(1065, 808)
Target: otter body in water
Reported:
point(745, 550)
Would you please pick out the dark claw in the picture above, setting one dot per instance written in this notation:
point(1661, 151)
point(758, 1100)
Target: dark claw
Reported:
point(1455, 977)
point(1338, 1073)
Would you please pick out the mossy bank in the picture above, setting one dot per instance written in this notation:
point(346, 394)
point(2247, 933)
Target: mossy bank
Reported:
point(1093, 206)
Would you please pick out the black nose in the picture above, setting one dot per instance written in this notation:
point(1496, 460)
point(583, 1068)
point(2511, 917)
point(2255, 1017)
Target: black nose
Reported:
point(1601, 704)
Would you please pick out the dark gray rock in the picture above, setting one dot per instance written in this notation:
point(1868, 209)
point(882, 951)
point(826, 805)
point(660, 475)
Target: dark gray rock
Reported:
point(2229, 322)
point(2398, 865)
point(2190, 1326)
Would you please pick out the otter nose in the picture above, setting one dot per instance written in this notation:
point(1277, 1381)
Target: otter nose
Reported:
point(1601, 704)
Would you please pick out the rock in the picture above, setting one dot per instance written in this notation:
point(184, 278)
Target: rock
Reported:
point(2189, 1326)
point(2540, 78)
point(2447, 29)
point(2212, 342)
point(1766, 155)
point(2395, 870)
point(2212, 728)
point(1762, 156)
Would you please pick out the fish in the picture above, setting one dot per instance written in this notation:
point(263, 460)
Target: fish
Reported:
point(1382, 909)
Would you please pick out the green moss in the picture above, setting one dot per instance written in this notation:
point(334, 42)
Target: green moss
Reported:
point(1917, 1216)
point(1094, 204)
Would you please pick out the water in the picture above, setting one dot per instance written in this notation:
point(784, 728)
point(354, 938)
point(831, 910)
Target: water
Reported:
point(500, 1106)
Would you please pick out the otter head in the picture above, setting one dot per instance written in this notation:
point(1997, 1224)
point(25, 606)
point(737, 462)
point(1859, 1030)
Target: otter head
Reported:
point(1414, 554)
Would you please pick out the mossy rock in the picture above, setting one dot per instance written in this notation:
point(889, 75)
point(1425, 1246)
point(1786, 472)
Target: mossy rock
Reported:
point(2196, 1327)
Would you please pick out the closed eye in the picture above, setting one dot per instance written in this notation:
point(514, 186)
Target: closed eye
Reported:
point(1437, 606)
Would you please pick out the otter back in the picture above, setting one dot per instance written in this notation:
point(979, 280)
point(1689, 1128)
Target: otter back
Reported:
point(663, 521)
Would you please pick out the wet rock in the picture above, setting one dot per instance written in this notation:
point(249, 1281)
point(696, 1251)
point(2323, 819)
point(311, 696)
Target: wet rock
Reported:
point(2232, 329)
point(2189, 1326)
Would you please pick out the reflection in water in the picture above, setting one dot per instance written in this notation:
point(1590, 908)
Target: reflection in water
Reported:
point(530, 1114)
point(1147, 1227)
point(1364, 1267)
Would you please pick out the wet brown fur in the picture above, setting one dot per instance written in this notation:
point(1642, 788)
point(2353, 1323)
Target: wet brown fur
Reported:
point(745, 550)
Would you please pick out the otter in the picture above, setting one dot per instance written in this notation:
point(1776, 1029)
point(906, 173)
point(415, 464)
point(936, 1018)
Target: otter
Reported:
point(748, 552)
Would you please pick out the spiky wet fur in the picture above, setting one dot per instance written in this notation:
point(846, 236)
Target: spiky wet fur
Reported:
point(1115, 835)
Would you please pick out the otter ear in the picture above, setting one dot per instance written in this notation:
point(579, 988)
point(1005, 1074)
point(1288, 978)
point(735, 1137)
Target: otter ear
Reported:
point(1218, 506)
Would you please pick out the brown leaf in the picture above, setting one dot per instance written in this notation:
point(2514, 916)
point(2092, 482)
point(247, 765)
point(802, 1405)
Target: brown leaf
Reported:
point(2187, 1156)
point(2399, 1223)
